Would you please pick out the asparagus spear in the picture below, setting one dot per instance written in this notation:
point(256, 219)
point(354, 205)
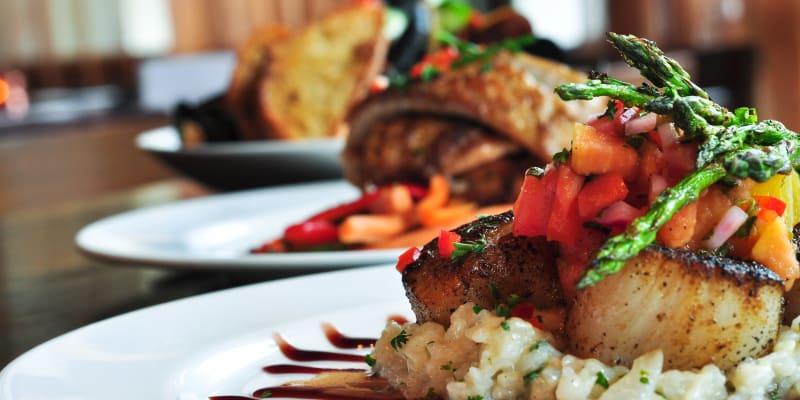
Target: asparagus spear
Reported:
point(732, 144)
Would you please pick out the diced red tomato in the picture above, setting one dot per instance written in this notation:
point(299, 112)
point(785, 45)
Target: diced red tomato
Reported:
point(379, 84)
point(771, 203)
point(534, 203)
point(565, 222)
point(526, 311)
point(440, 60)
point(311, 233)
point(347, 209)
point(681, 159)
point(600, 193)
point(594, 153)
point(407, 258)
point(446, 243)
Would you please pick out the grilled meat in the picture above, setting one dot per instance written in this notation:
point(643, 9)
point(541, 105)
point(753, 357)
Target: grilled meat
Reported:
point(415, 148)
point(507, 111)
point(436, 286)
point(697, 308)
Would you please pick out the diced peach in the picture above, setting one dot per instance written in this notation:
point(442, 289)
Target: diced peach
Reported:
point(679, 230)
point(597, 153)
point(774, 249)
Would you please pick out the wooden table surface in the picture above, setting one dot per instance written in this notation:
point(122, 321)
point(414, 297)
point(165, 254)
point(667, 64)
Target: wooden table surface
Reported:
point(54, 181)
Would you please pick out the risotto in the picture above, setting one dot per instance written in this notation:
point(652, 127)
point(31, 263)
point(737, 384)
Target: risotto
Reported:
point(481, 356)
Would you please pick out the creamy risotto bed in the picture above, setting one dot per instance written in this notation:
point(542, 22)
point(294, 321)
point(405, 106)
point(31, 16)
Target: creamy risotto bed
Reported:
point(481, 356)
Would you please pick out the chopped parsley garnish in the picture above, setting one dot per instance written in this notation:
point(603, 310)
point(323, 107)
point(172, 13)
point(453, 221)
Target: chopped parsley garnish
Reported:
point(643, 377)
point(400, 340)
point(502, 311)
point(431, 392)
point(538, 345)
point(561, 157)
point(429, 72)
point(476, 309)
point(601, 380)
point(505, 326)
point(530, 376)
point(475, 397)
point(514, 299)
point(369, 360)
point(774, 395)
point(448, 367)
point(611, 109)
point(265, 394)
point(494, 291)
point(464, 248)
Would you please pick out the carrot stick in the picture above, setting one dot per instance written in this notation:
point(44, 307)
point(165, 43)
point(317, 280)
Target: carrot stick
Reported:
point(419, 237)
point(371, 228)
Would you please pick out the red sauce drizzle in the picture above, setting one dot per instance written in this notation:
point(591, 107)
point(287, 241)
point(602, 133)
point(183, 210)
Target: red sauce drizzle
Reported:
point(337, 339)
point(295, 354)
point(345, 342)
point(303, 369)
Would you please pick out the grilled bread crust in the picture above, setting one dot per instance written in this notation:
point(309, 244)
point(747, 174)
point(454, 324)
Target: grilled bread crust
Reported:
point(315, 76)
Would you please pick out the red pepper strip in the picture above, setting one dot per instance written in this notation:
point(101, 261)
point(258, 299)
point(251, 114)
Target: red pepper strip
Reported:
point(406, 258)
point(771, 203)
point(446, 243)
point(417, 191)
point(311, 233)
point(347, 209)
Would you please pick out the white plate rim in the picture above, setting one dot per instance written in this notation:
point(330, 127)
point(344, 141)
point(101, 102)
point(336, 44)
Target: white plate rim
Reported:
point(89, 239)
point(342, 297)
point(165, 140)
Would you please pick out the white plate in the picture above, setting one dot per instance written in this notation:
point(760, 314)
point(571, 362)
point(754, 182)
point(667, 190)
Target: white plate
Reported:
point(218, 231)
point(246, 164)
point(210, 344)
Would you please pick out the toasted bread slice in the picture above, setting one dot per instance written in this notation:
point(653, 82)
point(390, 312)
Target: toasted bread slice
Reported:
point(242, 95)
point(316, 75)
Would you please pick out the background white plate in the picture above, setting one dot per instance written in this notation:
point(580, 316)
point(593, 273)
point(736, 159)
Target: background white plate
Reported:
point(246, 164)
point(218, 231)
point(209, 344)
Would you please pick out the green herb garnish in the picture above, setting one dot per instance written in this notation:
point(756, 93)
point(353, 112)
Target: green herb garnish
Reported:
point(643, 377)
point(400, 340)
point(530, 376)
point(465, 248)
point(601, 380)
point(370, 360)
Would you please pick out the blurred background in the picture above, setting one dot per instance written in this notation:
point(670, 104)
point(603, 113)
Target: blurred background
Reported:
point(69, 63)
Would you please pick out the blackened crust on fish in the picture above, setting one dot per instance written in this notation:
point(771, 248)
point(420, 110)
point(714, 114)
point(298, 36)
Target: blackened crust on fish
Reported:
point(744, 272)
point(436, 286)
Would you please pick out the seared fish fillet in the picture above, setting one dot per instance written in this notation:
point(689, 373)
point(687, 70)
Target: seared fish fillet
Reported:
point(697, 308)
point(436, 286)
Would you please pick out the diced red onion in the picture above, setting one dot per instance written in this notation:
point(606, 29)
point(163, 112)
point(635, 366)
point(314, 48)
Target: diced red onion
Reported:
point(667, 133)
point(627, 116)
point(619, 214)
point(657, 185)
point(726, 227)
point(645, 123)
